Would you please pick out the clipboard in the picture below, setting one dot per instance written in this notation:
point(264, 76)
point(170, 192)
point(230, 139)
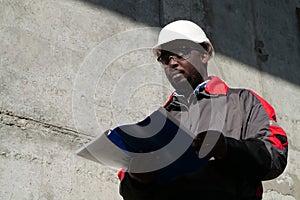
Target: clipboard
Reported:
point(165, 141)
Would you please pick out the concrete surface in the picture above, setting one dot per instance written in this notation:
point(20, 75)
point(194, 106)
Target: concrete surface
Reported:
point(44, 44)
point(38, 162)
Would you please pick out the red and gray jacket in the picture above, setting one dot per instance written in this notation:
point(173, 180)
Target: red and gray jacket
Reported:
point(256, 147)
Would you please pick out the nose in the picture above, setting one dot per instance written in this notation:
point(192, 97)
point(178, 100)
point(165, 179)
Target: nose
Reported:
point(173, 61)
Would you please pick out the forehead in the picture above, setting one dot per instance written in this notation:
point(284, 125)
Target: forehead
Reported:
point(179, 43)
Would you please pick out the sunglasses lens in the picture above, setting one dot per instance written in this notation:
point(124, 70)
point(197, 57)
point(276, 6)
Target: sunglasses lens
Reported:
point(179, 53)
point(164, 58)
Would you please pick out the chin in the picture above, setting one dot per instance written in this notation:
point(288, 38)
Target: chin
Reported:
point(182, 85)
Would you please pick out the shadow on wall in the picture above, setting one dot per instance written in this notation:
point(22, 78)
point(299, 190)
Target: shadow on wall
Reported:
point(262, 34)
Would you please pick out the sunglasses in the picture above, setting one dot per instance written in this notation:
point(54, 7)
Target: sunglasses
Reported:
point(177, 54)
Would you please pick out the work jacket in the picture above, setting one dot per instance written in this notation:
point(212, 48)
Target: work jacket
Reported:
point(256, 147)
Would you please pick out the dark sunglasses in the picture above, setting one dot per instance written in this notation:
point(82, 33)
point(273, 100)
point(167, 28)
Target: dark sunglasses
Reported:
point(180, 53)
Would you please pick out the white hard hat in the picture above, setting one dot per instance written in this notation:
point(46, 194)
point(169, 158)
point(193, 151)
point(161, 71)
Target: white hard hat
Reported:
point(183, 30)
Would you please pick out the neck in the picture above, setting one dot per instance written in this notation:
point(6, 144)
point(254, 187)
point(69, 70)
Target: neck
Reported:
point(188, 91)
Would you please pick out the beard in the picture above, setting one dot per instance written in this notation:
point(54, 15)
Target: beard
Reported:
point(183, 86)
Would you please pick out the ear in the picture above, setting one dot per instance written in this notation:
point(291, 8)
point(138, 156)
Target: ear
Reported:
point(204, 58)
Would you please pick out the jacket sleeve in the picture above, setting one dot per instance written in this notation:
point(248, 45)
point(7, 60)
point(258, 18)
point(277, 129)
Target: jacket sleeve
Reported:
point(262, 148)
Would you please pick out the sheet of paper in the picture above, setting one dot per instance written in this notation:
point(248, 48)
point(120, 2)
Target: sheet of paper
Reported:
point(105, 152)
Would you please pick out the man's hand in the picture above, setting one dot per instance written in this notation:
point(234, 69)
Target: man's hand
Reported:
point(210, 144)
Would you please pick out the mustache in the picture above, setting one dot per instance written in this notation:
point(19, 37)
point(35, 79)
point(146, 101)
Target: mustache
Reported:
point(174, 72)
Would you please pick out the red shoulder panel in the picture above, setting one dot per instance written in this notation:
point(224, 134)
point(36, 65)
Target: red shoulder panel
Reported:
point(216, 86)
point(269, 109)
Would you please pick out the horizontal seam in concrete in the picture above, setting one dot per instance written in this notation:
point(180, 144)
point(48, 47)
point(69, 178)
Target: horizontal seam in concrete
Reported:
point(278, 192)
point(60, 129)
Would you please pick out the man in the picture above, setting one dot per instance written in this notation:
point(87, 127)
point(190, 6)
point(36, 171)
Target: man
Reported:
point(235, 128)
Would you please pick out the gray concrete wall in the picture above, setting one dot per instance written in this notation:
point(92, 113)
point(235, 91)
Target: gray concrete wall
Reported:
point(48, 50)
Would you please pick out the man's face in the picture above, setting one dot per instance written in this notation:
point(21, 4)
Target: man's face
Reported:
point(184, 63)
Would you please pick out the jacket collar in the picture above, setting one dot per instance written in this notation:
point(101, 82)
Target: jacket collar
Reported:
point(215, 86)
